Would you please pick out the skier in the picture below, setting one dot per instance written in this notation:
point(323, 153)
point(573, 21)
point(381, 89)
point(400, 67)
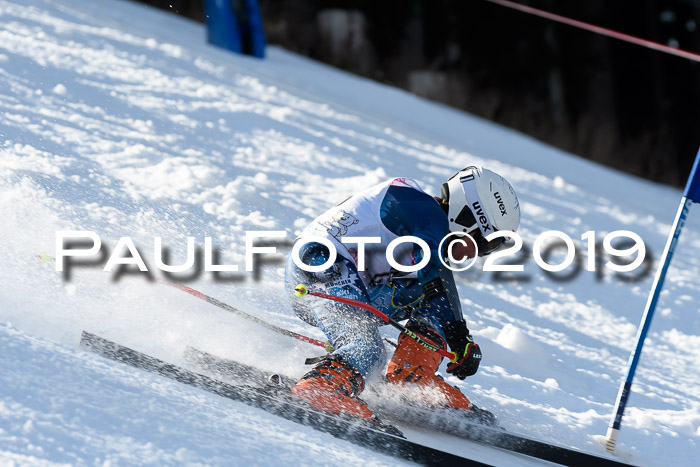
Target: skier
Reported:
point(474, 201)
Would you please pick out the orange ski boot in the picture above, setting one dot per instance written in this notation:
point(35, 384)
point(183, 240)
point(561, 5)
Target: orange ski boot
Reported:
point(414, 366)
point(332, 386)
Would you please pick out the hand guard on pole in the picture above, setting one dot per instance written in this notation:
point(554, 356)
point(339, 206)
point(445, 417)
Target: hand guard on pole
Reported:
point(462, 344)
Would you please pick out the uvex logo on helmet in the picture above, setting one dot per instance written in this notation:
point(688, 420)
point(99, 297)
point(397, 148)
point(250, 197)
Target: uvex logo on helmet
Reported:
point(482, 217)
point(480, 196)
point(501, 206)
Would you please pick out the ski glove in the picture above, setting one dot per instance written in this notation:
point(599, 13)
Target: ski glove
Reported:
point(461, 343)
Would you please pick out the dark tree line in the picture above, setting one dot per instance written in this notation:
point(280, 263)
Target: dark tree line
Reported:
point(615, 103)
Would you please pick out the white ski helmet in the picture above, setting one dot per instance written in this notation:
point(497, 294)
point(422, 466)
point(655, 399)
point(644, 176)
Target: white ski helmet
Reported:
point(478, 197)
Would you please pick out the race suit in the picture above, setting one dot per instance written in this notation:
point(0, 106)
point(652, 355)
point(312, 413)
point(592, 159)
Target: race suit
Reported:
point(395, 208)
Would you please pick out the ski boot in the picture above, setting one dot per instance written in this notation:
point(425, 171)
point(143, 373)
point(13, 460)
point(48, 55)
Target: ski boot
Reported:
point(332, 386)
point(414, 366)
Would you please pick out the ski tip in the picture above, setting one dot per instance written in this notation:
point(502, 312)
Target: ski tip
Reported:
point(301, 290)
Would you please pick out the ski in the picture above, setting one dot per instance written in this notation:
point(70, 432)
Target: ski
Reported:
point(277, 403)
point(447, 421)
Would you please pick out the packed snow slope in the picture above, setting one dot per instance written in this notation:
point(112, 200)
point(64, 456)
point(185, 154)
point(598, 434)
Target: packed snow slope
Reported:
point(119, 119)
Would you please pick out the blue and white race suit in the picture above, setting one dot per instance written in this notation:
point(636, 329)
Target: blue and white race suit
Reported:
point(397, 207)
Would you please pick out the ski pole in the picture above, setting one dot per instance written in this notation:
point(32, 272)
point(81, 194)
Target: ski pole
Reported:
point(225, 306)
point(301, 290)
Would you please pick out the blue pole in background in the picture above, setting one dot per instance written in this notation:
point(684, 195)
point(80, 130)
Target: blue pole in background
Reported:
point(690, 195)
point(255, 32)
point(222, 26)
point(235, 25)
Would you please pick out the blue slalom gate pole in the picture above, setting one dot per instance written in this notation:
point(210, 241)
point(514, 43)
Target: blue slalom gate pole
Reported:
point(222, 25)
point(235, 25)
point(690, 195)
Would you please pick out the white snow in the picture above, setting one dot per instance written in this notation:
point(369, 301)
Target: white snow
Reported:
point(119, 119)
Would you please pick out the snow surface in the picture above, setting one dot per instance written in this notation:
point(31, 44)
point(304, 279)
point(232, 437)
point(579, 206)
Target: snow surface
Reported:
point(118, 118)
